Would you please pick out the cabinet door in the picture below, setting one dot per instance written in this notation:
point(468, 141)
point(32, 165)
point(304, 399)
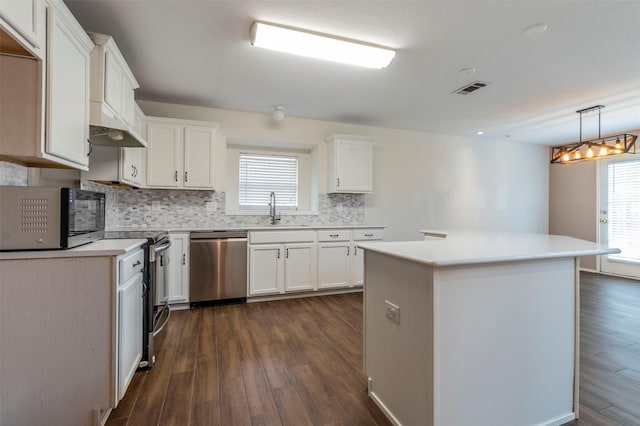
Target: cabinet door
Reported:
point(179, 267)
point(333, 264)
point(353, 166)
point(113, 78)
point(300, 267)
point(357, 266)
point(24, 16)
point(131, 166)
point(266, 269)
point(164, 155)
point(129, 331)
point(199, 157)
point(128, 101)
point(67, 94)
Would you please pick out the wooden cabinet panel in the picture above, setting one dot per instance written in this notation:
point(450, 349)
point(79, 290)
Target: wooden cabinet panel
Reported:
point(164, 155)
point(266, 269)
point(350, 164)
point(333, 264)
point(300, 266)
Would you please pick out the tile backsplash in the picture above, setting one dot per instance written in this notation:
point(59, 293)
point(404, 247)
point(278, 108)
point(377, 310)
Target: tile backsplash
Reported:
point(13, 174)
point(170, 209)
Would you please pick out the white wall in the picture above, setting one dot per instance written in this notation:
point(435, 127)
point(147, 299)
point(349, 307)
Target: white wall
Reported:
point(421, 180)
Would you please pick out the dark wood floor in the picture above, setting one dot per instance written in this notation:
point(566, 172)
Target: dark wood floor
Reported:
point(299, 362)
point(294, 362)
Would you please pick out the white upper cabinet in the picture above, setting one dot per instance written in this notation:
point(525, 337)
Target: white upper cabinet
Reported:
point(350, 164)
point(180, 154)
point(112, 91)
point(67, 107)
point(24, 21)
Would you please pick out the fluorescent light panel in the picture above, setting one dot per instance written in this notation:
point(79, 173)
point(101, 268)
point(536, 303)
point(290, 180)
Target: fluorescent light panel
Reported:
point(318, 46)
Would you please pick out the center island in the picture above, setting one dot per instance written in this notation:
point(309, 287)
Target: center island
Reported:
point(474, 328)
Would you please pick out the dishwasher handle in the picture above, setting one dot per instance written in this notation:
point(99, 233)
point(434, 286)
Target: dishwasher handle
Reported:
point(208, 240)
point(219, 235)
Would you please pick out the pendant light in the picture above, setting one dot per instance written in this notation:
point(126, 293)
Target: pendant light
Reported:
point(596, 148)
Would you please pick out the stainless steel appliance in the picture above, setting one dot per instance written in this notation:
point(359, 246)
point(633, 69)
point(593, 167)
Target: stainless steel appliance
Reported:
point(46, 218)
point(218, 267)
point(155, 318)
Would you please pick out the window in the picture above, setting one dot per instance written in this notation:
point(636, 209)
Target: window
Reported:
point(624, 209)
point(261, 174)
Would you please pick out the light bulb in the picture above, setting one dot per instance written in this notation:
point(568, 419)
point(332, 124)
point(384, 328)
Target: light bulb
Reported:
point(565, 157)
point(603, 150)
point(618, 149)
point(577, 155)
point(589, 153)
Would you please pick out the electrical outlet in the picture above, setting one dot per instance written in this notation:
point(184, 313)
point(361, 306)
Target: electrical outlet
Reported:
point(211, 206)
point(392, 311)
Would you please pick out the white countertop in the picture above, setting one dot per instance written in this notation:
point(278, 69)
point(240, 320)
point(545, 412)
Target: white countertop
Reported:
point(463, 248)
point(255, 228)
point(97, 248)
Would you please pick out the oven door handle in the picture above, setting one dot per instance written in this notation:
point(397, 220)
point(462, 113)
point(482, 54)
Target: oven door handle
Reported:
point(161, 247)
point(166, 308)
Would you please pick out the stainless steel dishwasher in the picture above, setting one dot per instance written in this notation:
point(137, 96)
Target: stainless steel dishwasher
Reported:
point(218, 267)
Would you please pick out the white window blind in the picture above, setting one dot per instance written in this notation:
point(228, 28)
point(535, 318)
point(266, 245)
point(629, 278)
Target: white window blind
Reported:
point(623, 225)
point(262, 174)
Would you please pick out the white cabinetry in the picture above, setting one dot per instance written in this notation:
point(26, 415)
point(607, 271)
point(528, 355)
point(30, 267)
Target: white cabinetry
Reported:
point(117, 165)
point(24, 20)
point(180, 154)
point(178, 287)
point(45, 101)
point(129, 329)
point(334, 260)
point(67, 106)
point(350, 160)
point(357, 260)
point(282, 261)
point(112, 85)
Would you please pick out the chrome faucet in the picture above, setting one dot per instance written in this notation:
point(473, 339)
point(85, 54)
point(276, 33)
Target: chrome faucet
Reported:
point(272, 208)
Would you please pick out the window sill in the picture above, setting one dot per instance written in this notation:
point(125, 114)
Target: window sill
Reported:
point(266, 213)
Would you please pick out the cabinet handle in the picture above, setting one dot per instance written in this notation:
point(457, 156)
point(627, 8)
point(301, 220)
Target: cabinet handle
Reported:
point(368, 235)
point(176, 176)
point(136, 171)
point(133, 171)
point(184, 258)
point(355, 250)
point(161, 260)
point(287, 254)
point(278, 253)
point(338, 179)
point(90, 147)
point(334, 235)
point(186, 178)
point(138, 263)
point(348, 250)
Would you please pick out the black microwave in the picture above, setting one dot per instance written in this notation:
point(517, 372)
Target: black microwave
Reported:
point(46, 218)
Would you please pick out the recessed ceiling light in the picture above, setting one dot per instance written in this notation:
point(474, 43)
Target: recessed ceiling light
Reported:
point(535, 29)
point(466, 71)
point(479, 132)
point(320, 46)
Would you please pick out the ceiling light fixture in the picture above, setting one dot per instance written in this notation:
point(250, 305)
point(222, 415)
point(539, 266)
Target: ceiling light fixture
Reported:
point(278, 113)
point(479, 133)
point(535, 29)
point(320, 46)
point(610, 146)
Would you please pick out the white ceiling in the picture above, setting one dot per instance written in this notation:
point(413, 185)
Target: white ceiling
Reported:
point(198, 53)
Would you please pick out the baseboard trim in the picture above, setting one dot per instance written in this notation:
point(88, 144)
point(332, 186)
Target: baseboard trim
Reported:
point(253, 299)
point(384, 409)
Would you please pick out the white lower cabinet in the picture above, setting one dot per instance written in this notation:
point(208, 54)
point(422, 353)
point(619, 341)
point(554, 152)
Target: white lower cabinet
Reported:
point(178, 287)
point(282, 261)
point(129, 321)
point(357, 258)
point(289, 261)
point(334, 260)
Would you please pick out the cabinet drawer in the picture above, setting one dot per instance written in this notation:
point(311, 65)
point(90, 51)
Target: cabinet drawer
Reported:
point(334, 235)
point(277, 237)
point(130, 265)
point(367, 234)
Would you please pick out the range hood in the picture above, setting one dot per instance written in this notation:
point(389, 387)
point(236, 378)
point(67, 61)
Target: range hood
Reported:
point(110, 131)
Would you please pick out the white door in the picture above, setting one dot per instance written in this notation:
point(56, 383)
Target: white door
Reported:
point(266, 273)
point(620, 215)
point(300, 271)
point(164, 155)
point(199, 145)
point(333, 264)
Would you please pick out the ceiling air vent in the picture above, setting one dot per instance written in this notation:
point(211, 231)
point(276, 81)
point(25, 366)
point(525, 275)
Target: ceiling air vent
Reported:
point(465, 90)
